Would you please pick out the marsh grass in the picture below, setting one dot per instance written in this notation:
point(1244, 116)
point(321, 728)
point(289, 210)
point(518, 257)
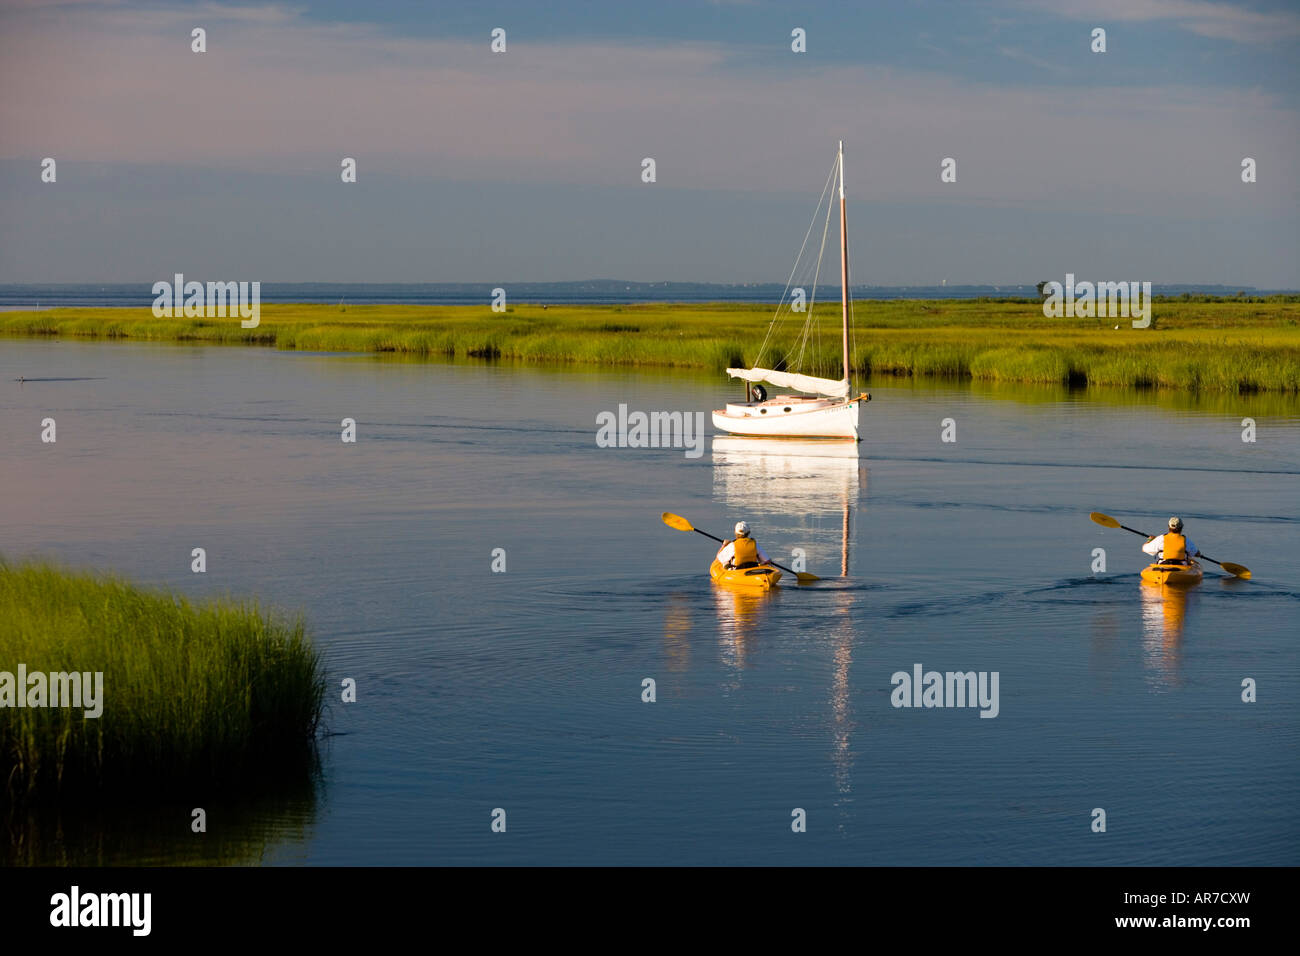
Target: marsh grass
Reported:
point(217, 693)
point(1237, 345)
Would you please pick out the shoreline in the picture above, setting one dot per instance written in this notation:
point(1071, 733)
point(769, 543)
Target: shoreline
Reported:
point(1195, 344)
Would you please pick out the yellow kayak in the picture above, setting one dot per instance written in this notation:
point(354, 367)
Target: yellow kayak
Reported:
point(1171, 574)
point(763, 576)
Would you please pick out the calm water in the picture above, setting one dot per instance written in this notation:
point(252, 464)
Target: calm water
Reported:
point(522, 690)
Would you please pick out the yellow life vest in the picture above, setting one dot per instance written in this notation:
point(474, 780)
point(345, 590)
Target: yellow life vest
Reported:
point(746, 552)
point(1173, 547)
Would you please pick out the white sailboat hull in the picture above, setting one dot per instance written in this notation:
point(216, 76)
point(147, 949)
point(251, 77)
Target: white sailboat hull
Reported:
point(789, 417)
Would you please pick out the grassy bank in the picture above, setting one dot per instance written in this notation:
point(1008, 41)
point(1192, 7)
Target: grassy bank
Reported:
point(1215, 345)
point(192, 694)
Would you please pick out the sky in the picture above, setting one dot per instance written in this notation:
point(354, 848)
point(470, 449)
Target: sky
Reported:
point(526, 165)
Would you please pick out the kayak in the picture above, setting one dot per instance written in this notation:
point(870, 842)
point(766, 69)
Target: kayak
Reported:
point(763, 576)
point(1172, 575)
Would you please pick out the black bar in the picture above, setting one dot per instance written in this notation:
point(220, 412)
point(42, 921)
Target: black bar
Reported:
point(308, 905)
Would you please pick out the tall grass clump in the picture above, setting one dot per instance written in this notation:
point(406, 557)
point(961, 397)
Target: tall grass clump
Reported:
point(217, 693)
point(1042, 366)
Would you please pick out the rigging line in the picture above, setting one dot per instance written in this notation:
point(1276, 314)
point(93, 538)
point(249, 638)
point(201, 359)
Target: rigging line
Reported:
point(798, 259)
point(811, 321)
point(812, 222)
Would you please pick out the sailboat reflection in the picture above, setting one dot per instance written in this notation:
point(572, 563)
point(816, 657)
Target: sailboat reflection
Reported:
point(1164, 610)
point(797, 491)
point(793, 486)
point(842, 723)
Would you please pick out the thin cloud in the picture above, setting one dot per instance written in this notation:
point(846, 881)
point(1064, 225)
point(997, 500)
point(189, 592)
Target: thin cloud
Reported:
point(1205, 18)
point(277, 92)
point(1014, 53)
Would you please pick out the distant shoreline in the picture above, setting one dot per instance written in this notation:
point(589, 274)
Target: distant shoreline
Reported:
point(31, 296)
point(1203, 343)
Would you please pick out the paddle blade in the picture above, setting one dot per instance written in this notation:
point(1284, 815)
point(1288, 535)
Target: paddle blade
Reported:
point(1240, 570)
point(804, 578)
point(677, 522)
point(1106, 521)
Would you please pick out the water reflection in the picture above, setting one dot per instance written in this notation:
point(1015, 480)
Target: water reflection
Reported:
point(274, 826)
point(677, 632)
point(1164, 611)
point(842, 723)
point(810, 489)
point(795, 485)
point(740, 617)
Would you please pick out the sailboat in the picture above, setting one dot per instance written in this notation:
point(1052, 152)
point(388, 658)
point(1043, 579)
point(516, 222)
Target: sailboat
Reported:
point(825, 410)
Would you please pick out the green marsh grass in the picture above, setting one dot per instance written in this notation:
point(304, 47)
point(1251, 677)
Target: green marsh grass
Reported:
point(1196, 344)
point(214, 693)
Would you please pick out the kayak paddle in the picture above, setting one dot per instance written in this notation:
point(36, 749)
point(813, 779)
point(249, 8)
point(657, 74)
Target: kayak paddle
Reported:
point(681, 524)
point(1106, 521)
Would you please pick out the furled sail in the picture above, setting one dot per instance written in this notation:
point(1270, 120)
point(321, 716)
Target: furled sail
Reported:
point(803, 383)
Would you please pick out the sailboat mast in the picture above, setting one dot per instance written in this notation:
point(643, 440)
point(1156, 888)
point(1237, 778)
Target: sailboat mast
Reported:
point(844, 263)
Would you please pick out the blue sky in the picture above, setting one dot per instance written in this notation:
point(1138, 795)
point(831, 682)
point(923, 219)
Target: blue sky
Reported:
point(525, 166)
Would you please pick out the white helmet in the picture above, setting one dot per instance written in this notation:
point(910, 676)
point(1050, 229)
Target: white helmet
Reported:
point(742, 529)
point(1175, 524)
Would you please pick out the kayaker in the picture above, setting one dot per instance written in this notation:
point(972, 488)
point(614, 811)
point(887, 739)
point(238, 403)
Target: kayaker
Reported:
point(742, 552)
point(1172, 546)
